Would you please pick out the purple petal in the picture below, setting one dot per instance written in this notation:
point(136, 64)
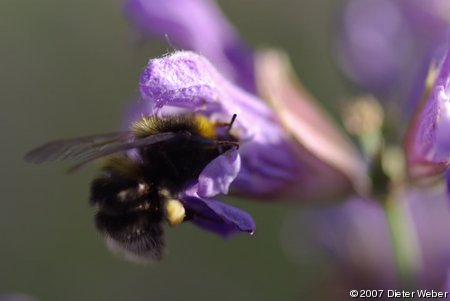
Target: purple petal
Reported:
point(331, 165)
point(354, 235)
point(428, 146)
point(16, 297)
point(374, 43)
point(381, 43)
point(447, 181)
point(196, 25)
point(431, 217)
point(447, 283)
point(217, 176)
point(218, 217)
point(428, 19)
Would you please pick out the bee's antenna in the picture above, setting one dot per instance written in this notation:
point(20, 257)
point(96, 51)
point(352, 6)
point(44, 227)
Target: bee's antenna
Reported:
point(231, 123)
point(166, 36)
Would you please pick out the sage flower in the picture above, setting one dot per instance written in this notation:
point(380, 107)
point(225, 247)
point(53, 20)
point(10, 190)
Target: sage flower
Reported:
point(196, 25)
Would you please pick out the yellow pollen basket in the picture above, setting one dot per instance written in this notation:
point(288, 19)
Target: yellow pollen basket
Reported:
point(174, 212)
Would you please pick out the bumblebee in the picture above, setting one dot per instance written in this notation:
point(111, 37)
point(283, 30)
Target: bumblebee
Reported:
point(142, 173)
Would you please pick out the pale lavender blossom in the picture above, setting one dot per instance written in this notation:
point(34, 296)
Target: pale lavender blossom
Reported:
point(383, 43)
point(356, 239)
point(16, 297)
point(197, 25)
point(373, 40)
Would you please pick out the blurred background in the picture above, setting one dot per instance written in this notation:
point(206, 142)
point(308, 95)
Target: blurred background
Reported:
point(69, 68)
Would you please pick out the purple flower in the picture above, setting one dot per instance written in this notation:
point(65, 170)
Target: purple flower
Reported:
point(357, 240)
point(428, 140)
point(374, 38)
point(331, 165)
point(16, 297)
point(187, 81)
point(268, 162)
point(196, 25)
point(380, 41)
point(272, 164)
point(428, 20)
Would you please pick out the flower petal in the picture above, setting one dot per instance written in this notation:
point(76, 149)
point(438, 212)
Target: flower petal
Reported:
point(218, 217)
point(196, 25)
point(16, 297)
point(333, 164)
point(427, 144)
point(217, 176)
point(353, 235)
point(374, 43)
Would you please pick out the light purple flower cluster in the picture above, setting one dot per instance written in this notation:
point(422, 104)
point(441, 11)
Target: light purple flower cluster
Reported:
point(355, 236)
point(380, 42)
point(275, 158)
point(400, 240)
point(16, 297)
point(289, 148)
point(196, 25)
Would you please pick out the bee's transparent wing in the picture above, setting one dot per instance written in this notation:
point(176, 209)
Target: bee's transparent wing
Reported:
point(86, 149)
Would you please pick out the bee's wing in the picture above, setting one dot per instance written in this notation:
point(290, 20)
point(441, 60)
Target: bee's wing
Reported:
point(85, 149)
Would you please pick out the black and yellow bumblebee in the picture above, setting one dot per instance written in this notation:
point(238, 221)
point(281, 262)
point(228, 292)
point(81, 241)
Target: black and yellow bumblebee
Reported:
point(143, 171)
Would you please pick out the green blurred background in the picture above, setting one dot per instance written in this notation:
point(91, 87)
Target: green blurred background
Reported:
point(69, 68)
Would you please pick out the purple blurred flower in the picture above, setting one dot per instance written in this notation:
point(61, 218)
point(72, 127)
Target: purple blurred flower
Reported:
point(429, 20)
point(371, 30)
point(428, 140)
point(355, 238)
point(196, 25)
point(381, 40)
point(16, 297)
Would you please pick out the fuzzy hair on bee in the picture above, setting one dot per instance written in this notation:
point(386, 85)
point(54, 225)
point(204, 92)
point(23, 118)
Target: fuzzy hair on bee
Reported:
point(135, 196)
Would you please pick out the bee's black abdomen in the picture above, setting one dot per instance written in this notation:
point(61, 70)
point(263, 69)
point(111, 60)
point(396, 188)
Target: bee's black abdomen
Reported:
point(138, 236)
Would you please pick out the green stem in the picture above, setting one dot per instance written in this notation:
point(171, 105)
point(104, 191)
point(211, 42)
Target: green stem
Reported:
point(404, 239)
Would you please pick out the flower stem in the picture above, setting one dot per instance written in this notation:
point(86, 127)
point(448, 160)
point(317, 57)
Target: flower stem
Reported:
point(404, 239)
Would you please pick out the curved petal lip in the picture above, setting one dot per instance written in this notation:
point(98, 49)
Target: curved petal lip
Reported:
point(218, 217)
point(426, 141)
point(218, 175)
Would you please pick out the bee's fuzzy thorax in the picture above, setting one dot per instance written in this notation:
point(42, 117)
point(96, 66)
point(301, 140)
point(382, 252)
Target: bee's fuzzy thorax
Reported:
point(194, 124)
